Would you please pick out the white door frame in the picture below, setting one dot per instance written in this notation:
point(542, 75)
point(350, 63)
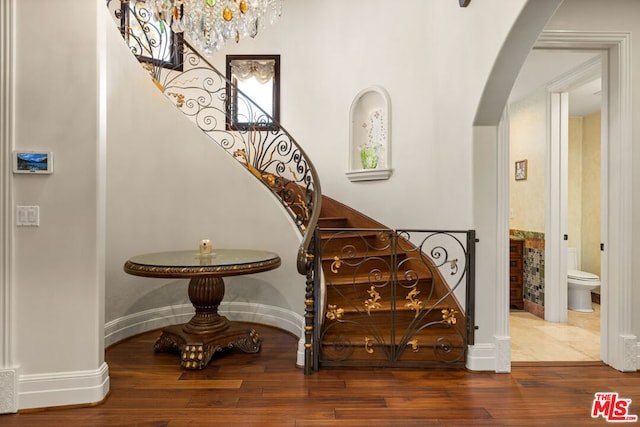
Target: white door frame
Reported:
point(556, 181)
point(555, 207)
point(619, 345)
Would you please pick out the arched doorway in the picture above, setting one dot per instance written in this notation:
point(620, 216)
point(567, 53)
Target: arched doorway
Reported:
point(491, 192)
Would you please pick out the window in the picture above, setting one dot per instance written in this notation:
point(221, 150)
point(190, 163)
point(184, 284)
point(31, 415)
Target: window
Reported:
point(149, 35)
point(256, 77)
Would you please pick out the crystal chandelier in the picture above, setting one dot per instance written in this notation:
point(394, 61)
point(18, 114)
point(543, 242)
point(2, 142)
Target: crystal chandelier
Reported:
point(209, 23)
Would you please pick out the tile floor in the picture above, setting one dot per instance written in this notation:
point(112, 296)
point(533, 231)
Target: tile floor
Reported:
point(534, 339)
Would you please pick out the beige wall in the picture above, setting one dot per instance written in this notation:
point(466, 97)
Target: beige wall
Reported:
point(584, 190)
point(528, 139)
point(574, 202)
point(527, 134)
point(591, 200)
point(527, 197)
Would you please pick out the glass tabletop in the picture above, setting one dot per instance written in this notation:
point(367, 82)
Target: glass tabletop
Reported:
point(193, 258)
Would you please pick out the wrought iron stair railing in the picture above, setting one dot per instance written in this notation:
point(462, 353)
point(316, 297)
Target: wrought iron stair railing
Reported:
point(200, 91)
point(392, 297)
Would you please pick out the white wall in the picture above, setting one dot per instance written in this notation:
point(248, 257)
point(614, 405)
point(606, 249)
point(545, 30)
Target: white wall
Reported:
point(433, 62)
point(58, 284)
point(171, 186)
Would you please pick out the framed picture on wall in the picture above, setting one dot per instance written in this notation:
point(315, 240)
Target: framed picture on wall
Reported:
point(521, 170)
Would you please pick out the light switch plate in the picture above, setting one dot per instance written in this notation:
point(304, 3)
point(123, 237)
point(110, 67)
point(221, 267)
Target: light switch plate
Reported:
point(27, 216)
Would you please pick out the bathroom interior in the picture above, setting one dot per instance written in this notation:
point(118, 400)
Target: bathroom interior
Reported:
point(532, 338)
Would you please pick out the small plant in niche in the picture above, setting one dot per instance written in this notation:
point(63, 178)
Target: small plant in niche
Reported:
point(376, 132)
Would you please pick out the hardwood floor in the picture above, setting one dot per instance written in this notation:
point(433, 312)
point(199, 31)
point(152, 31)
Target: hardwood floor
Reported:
point(266, 389)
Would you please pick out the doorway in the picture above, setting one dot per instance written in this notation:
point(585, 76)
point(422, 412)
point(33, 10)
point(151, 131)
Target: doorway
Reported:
point(616, 257)
point(553, 108)
point(491, 159)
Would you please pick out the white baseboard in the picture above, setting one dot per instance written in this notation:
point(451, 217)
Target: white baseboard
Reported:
point(481, 357)
point(265, 315)
point(8, 391)
point(630, 346)
point(63, 388)
point(133, 324)
point(494, 357)
point(148, 320)
point(300, 355)
point(503, 354)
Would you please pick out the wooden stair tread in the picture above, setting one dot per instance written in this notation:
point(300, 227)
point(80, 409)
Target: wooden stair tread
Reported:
point(340, 233)
point(364, 254)
point(333, 222)
point(333, 218)
point(347, 317)
point(361, 280)
point(425, 337)
point(385, 307)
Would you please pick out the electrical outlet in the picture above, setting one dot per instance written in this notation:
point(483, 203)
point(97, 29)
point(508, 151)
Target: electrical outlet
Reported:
point(27, 216)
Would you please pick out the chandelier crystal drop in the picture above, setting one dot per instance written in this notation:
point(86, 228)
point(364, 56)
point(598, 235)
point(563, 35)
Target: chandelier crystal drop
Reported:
point(208, 24)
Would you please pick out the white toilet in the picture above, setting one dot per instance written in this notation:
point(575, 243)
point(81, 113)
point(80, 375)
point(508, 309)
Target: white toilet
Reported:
point(580, 284)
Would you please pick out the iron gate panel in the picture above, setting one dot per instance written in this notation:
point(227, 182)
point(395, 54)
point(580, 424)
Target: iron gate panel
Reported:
point(394, 297)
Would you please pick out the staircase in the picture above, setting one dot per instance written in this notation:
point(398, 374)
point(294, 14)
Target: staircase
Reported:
point(386, 302)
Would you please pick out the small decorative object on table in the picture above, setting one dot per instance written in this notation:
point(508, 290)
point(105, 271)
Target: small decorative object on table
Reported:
point(205, 247)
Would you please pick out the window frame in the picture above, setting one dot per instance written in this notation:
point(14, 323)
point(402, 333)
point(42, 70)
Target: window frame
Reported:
point(176, 46)
point(232, 95)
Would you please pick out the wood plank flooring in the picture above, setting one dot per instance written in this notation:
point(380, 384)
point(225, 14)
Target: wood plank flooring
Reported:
point(266, 389)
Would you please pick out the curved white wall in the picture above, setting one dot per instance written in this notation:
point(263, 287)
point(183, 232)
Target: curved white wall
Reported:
point(169, 186)
point(432, 57)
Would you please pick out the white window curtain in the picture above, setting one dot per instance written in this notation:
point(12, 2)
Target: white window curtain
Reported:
point(262, 70)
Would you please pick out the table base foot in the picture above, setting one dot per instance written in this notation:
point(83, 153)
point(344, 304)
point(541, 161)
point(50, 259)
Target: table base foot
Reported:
point(196, 350)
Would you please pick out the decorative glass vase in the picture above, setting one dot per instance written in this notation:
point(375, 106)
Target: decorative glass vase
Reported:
point(369, 155)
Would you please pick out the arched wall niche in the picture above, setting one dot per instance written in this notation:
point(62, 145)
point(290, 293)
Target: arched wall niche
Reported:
point(370, 135)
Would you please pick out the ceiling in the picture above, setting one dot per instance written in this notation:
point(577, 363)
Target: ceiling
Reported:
point(545, 66)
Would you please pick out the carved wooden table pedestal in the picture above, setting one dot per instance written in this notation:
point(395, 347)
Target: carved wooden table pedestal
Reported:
point(207, 333)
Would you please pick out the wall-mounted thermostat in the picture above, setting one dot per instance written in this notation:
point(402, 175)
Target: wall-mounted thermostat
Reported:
point(34, 162)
